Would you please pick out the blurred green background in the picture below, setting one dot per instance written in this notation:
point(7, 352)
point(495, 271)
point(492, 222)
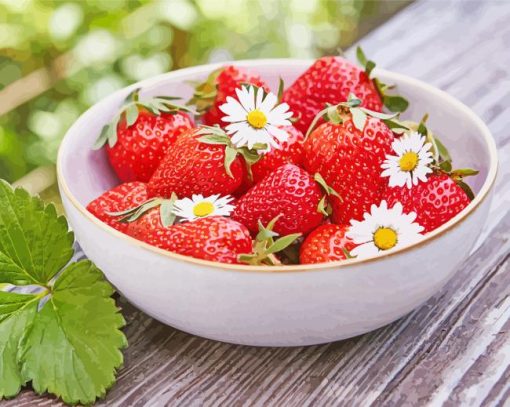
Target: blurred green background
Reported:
point(59, 57)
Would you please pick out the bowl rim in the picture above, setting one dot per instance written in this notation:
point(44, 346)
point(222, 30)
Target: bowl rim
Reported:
point(299, 268)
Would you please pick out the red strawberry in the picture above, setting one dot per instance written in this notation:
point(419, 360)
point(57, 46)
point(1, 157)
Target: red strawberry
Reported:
point(118, 199)
point(213, 238)
point(195, 166)
point(435, 201)
point(220, 84)
point(141, 134)
point(326, 243)
point(330, 80)
point(350, 161)
point(290, 151)
point(290, 192)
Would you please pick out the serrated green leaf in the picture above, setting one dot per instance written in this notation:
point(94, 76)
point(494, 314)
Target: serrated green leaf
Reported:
point(446, 166)
point(359, 118)
point(282, 243)
point(396, 104)
point(73, 347)
point(17, 312)
point(34, 242)
point(131, 114)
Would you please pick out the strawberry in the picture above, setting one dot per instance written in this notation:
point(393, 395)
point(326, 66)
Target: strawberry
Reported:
point(118, 199)
point(220, 84)
point(200, 162)
point(435, 201)
point(290, 151)
point(348, 152)
point(290, 192)
point(326, 243)
point(140, 135)
point(329, 81)
point(212, 238)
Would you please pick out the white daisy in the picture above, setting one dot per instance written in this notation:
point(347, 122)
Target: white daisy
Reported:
point(411, 162)
point(200, 207)
point(254, 117)
point(383, 229)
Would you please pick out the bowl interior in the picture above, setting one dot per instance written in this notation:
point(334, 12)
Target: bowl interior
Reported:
point(87, 173)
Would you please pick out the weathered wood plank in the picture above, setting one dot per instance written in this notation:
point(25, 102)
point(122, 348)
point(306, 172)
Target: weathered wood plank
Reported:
point(454, 349)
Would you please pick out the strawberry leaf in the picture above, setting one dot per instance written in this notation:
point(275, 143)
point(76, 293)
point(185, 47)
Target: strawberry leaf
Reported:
point(359, 118)
point(35, 243)
point(464, 172)
point(166, 211)
point(230, 156)
point(281, 87)
point(466, 188)
point(65, 339)
point(72, 348)
point(396, 104)
point(131, 114)
point(17, 311)
point(282, 243)
point(321, 207)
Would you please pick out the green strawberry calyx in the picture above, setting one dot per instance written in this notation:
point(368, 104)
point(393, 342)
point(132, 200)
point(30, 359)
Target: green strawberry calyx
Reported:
point(129, 113)
point(394, 103)
point(166, 213)
point(205, 92)
point(340, 112)
point(442, 160)
point(266, 244)
point(323, 206)
point(216, 135)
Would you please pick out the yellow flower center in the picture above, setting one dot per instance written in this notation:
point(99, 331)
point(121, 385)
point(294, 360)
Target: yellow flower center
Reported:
point(408, 161)
point(203, 209)
point(257, 119)
point(385, 238)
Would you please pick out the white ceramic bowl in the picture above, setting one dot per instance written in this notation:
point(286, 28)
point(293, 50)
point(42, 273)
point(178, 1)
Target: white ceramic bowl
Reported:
point(276, 306)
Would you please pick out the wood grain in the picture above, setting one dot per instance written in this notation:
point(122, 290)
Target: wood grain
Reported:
point(454, 350)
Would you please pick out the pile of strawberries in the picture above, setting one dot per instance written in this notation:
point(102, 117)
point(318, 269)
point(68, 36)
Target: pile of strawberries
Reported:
point(308, 174)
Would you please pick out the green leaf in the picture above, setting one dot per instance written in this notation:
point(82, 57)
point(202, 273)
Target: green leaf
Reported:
point(369, 67)
point(230, 156)
point(214, 139)
point(73, 346)
point(112, 132)
point(131, 114)
point(466, 188)
point(333, 115)
point(35, 243)
point(442, 150)
point(17, 312)
point(166, 211)
point(396, 104)
point(102, 139)
point(322, 182)
point(281, 87)
point(379, 115)
point(446, 166)
point(360, 55)
point(321, 207)
point(282, 243)
point(359, 118)
point(464, 172)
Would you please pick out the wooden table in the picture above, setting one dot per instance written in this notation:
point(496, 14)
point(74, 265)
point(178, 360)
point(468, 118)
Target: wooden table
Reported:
point(455, 349)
